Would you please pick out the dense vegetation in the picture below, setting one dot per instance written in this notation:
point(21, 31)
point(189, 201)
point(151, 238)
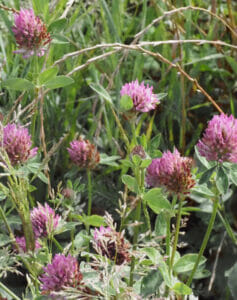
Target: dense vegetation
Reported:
point(126, 190)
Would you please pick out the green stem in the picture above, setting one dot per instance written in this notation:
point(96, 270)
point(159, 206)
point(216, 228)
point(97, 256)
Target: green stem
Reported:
point(134, 138)
point(176, 232)
point(205, 240)
point(147, 217)
point(167, 239)
point(124, 136)
point(89, 188)
point(227, 227)
point(60, 248)
point(9, 292)
point(135, 237)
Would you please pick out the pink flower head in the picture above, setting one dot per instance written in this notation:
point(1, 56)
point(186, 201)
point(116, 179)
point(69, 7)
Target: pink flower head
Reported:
point(62, 272)
point(111, 244)
point(219, 141)
point(22, 243)
point(171, 171)
point(143, 98)
point(83, 154)
point(17, 143)
point(30, 33)
point(44, 220)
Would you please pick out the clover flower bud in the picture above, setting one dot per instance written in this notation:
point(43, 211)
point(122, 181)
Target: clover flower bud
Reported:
point(142, 96)
point(219, 141)
point(30, 33)
point(171, 171)
point(17, 143)
point(83, 154)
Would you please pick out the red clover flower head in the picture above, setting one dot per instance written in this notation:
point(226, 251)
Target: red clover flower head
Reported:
point(171, 171)
point(30, 33)
point(22, 243)
point(83, 154)
point(62, 272)
point(44, 220)
point(143, 98)
point(219, 142)
point(17, 143)
point(111, 244)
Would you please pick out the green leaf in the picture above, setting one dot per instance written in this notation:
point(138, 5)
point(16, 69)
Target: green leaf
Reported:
point(222, 181)
point(158, 259)
point(109, 160)
point(58, 82)
point(187, 262)
point(155, 142)
point(160, 96)
point(94, 220)
point(157, 201)
point(232, 62)
point(136, 160)
point(182, 289)
point(206, 175)
point(18, 84)
point(202, 190)
point(202, 159)
point(47, 75)
point(58, 25)
point(81, 240)
point(232, 282)
point(131, 183)
point(160, 224)
point(4, 240)
point(101, 91)
point(156, 154)
point(153, 254)
point(233, 173)
point(59, 39)
point(145, 163)
point(42, 177)
point(126, 103)
point(151, 283)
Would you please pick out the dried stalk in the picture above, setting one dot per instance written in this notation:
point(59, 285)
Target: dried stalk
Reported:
point(9, 9)
point(142, 44)
point(181, 9)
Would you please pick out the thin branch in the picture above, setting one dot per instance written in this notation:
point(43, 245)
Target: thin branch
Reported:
point(194, 80)
point(92, 60)
point(177, 10)
point(154, 54)
point(68, 6)
point(9, 9)
point(142, 44)
point(18, 100)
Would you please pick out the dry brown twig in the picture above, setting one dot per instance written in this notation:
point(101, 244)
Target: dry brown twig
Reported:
point(181, 9)
point(9, 9)
point(138, 47)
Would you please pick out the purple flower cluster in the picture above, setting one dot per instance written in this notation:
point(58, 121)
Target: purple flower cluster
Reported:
point(22, 243)
point(17, 143)
point(62, 272)
point(219, 141)
point(111, 244)
point(83, 154)
point(44, 220)
point(143, 98)
point(30, 33)
point(171, 171)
